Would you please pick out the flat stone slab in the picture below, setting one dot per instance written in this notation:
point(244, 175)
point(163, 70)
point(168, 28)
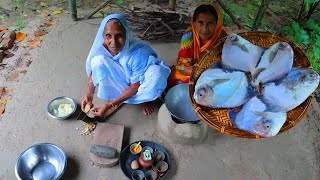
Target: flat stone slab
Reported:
point(111, 135)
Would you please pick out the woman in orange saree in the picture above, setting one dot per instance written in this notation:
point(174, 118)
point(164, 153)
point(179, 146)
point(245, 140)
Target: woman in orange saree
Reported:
point(205, 30)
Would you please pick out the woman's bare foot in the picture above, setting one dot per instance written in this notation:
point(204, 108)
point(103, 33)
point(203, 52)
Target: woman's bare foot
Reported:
point(147, 108)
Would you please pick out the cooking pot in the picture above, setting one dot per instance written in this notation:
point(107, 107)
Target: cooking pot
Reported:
point(179, 105)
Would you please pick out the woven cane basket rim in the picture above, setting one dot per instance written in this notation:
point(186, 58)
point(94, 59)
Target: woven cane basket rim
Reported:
point(218, 118)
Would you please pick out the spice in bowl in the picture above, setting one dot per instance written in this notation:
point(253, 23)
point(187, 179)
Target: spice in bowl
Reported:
point(135, 148)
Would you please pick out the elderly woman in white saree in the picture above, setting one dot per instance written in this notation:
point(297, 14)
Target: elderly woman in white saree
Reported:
point(123, 69)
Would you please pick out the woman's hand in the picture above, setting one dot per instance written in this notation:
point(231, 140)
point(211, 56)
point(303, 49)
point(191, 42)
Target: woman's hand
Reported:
point(99, 111)
point(186, 72)
point(86, 100)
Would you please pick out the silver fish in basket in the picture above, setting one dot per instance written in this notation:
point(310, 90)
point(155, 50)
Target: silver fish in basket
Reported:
point(253, 117)
point(276, 62)
point(240, 54)
point(293, 90)
point(218, 89)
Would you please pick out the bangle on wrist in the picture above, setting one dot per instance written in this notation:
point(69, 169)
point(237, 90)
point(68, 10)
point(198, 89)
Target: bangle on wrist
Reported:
point(109, 102)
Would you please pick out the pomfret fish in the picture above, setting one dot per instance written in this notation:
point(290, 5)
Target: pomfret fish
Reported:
point(253, 117)
point(276, 62)
point(294, 89)
point(240, 54)
point(218, 89)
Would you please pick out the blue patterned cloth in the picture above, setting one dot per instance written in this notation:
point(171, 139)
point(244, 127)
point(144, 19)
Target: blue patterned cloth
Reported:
point(136, 62)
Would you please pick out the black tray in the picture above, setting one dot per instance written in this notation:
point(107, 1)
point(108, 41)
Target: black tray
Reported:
point(126, 157)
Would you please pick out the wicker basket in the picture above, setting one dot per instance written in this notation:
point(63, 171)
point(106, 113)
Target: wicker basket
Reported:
point(218, 118)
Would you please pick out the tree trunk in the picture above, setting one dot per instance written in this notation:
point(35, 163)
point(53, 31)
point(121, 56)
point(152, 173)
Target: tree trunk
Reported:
point(305, 16)
point(234, 19)
point(172, 5)
point(262, 10)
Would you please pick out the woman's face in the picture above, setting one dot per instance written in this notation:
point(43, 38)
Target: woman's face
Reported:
point(114, 37)
point(205, 25)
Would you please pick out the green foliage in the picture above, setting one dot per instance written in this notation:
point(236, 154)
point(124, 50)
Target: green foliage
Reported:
point(17, 4)
point(308, 2)
point(20, 24)
point(244, 12)
point(307, 37)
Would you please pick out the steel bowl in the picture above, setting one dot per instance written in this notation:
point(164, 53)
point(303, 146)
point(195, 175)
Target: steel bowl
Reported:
point(41, 161)
point(179, 105)
point(54, 104)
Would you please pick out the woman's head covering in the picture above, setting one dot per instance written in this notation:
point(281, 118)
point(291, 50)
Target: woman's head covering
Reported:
point(98, 41)
point(136, 62)
point(196, 39)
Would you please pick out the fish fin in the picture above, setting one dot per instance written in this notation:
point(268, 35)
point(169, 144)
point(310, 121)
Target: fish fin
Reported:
point(276, 82)
point(216, 65)
point(261, 114)
point(242, 47)
point(217, 81)
point(257, 72)
point(232, 116)
point(272, 55)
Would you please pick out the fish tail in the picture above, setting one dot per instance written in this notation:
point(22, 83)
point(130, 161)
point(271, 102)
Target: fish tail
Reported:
point(232, 116)
point(253, 88)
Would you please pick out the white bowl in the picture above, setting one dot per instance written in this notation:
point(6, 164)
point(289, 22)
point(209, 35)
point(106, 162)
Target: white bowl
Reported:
point(56, 103)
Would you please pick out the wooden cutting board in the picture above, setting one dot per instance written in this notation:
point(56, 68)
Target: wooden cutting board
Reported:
point(111, 135)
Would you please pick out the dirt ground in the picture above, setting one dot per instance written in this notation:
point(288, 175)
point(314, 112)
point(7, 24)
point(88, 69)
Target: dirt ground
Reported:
point(32, 77)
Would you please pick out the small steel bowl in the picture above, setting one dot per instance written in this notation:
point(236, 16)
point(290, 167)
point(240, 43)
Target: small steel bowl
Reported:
point(137, 175)
point(41, 161)
point(150, 175)
point(134, 145)
point(54, 104)
point(158, 156)
point(162, 166)
point(147, 148)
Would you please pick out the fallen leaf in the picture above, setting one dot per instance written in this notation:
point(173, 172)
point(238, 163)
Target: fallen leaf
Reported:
point(44, 14)
point(33, 43)
point(3, 91)
point(57, 12)
point(42, 4)
point(25, 15)
point(38, 11)
point(7, 101)
point(1, 28)
point(98, 15)
point(40, 33)
point(1, 110)
point(47, 24)
point(107, 8)
point(20, 36)
point(23, 71)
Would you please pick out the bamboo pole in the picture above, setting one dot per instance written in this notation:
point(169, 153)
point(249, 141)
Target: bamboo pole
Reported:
point(234, 19)
point(73, 9)
point(262, 10)
point(88, 16)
